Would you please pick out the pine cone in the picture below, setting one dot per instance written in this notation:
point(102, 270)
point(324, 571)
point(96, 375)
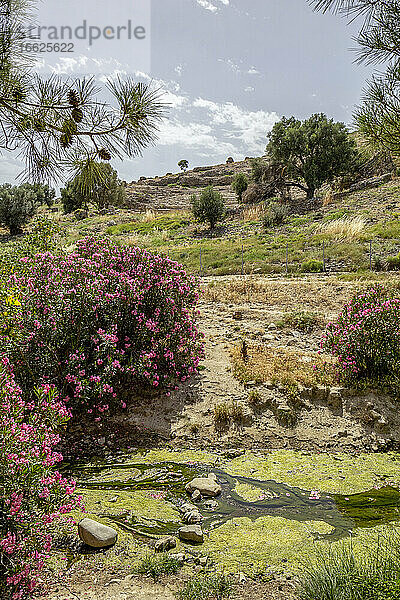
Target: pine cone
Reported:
point(104, 154)
point(77, 115)
point(73, 98)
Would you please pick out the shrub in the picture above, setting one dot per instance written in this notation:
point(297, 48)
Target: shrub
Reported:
point(240, 185)
point(312, 266)
point(157, 564)
point(32, 494)
point(209, 586)
point(101, 321)
point(18, 204)
point(209, 207)
point(393, 263)
point(275, 214)
point(366, 337)
point(302, 320)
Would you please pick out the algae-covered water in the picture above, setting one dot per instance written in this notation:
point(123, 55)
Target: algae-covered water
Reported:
point(114, 487)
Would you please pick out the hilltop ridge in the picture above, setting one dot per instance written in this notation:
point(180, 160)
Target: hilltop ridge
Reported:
point(173, 190)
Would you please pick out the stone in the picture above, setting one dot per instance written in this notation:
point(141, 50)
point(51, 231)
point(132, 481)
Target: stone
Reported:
point(272, 327)
point(164, 544)
point(191, 533)
point(206, 486)
point(211, 504)
point(96, 534)
point(196, 496)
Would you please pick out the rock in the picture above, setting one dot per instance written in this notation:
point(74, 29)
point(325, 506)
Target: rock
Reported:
point(233, 453)
point(96, 534)
point(206, 486)
point(191, 533)
point(211, 504)
point(196, 496)
point(180, 557)
point(80, 214)
point(272, 326)
point(164, 544)
point(192, 517)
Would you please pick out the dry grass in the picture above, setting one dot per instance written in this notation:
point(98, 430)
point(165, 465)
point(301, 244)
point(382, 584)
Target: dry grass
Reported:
point(281, 366)
point(148, 216)
point(347, 228)
point(253, 213)
point(322, 295)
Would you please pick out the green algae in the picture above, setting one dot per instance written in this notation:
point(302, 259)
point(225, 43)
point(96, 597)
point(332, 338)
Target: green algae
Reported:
point(254, 546)
point(338, 473)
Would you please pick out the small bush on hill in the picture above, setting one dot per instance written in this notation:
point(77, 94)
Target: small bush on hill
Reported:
point(209, 207)
point(156, 565)
point(101, 321)
point(312, 266)
point(32, 494)
point(366, 337)
point(240, 185)
point(275, 214)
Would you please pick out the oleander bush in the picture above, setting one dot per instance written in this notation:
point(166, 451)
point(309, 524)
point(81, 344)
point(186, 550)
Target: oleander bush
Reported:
point(99, 322)
point(366, 338)
point(32, 493)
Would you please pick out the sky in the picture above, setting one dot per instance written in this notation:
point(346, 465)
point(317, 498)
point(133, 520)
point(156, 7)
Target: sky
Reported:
point(228, 69)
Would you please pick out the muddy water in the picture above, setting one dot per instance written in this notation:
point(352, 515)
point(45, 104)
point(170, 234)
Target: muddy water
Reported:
point(343, 513)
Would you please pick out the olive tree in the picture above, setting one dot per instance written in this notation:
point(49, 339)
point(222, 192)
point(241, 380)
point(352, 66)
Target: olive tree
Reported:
point(311, 152)
point(18, 204)
point(240, 184)
point(209, 206)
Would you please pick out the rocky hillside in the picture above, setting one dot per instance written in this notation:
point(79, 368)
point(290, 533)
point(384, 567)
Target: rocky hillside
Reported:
point(173, 191)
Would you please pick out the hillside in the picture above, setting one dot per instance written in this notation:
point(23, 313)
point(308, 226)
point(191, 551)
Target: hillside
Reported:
point(173, 191)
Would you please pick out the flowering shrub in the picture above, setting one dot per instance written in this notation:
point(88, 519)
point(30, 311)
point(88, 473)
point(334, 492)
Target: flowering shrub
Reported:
point(100, 321)
point(366, 337)
point(32, 493)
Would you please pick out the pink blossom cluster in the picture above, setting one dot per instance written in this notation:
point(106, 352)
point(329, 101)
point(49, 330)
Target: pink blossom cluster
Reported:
point(101, 321)
point(32, 492)
point(366, 337)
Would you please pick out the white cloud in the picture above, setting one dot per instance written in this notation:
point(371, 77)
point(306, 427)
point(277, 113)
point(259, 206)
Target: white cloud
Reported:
point(192, 135)
point(253, 71)
point(207, 5)
point(249, 128)
point(249, 89)
point(212, 7)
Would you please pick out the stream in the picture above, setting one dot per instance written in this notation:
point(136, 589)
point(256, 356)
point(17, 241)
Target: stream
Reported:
point(343, 513)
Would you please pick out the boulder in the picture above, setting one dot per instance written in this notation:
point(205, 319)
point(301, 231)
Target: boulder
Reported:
point(191, 533)
point(164, 544)
point(207, 486)
point(96, 534)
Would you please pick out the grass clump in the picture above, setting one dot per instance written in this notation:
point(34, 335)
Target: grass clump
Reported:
point(302, 320)
point(341, 574)
point(156, 565)
point(275, 214)
point(227, 412)
point(280, 366)
point(206, 587)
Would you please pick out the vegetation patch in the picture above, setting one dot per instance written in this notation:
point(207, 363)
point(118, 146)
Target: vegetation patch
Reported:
point(280, 365)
